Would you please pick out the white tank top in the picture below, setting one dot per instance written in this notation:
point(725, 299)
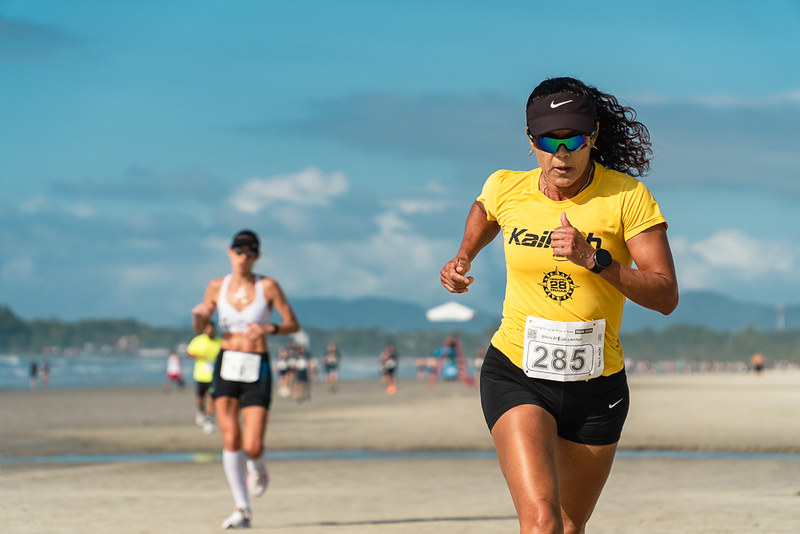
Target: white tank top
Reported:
point(232, 320)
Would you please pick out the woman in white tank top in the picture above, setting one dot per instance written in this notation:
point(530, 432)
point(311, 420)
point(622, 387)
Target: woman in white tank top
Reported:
point(244, 302)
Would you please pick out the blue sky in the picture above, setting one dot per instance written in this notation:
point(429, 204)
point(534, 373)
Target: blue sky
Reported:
point(137, 137)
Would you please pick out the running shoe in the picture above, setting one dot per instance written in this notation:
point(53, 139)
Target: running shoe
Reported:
point(257, 481)
point(208, 426)
point(240, 518)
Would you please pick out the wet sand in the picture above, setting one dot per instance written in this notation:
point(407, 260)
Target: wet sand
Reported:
point(394, 493)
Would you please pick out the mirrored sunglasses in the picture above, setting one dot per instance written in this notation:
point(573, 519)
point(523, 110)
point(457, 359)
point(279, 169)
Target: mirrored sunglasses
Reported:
point(246, 251)
point(551, 144)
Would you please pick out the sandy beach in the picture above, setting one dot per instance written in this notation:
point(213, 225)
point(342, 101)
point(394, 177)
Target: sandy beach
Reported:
point(425, 463)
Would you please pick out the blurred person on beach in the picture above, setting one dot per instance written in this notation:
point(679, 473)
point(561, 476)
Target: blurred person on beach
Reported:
point(477, 363)
point(758, 362)
point(448, 359)
point(303, 374)
point(44, 374)
point(553, 386)
point(285, 368)
point(431, 366)
point(331, 362)
point(388, 362)
point(421, 368)
point(33, 373)
point(174, 371)
point(242, 382)
point(203, 349)
point(426, 367)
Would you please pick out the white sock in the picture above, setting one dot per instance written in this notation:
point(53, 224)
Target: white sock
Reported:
point(256, 465)
point(234, 465)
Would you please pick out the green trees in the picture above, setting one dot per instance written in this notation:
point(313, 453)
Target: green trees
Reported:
point(15, 334)
point(686, 343)
point(110, 335)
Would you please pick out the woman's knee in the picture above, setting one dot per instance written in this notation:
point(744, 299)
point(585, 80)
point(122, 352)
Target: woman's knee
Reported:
point(231, 434)
point(253, 450)
point(540, 516)
point(231, 441)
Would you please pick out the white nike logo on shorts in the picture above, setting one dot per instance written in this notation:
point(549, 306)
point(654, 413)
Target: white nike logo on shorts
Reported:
point(612, 405)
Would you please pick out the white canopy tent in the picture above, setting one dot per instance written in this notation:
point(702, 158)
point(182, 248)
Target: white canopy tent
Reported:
point(450, 312)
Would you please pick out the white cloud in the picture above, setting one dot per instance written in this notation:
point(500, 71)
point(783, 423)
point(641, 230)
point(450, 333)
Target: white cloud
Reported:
point(391, 223)
point(394, 261)
point(35, 205)
point(437, 187)
point(723, 100)
point(650, 98)
point(18, 271)
point(734, 263)
point(420, 205)
point(737, 101)
point(693, 272)
point(82, 211)
point(43, 204)
point(134, 278)
point(294, 220)
point(747, 256)
point(309, 187)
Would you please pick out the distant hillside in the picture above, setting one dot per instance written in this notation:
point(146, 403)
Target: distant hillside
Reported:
point(711, 310)
point(696, 308)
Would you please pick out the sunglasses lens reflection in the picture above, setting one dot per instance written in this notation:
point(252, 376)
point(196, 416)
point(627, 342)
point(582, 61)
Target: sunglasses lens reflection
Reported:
point(247, 252)
point(551, 144)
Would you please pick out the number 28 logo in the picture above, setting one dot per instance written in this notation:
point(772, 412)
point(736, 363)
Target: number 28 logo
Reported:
point(558, 285)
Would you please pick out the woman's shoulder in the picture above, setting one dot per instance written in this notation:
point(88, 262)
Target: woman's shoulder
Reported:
point(215, 284)
point(504, 180)
point(266, 281)
point(507, 176)
point(618, 181)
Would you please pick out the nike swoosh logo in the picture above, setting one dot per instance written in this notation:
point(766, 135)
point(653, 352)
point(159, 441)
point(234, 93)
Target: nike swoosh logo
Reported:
point(612, 405)
point(553, 104)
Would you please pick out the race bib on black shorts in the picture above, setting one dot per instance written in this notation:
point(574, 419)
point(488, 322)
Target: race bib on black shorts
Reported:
point(240, 366)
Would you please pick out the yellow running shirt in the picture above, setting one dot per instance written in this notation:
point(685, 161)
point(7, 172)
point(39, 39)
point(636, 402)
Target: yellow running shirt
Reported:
point(205, 350)
point(611, 210)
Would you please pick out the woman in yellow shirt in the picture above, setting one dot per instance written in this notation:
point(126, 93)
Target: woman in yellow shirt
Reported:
point(553, 386)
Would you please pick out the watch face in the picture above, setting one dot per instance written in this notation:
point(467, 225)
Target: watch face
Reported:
point(602, 257)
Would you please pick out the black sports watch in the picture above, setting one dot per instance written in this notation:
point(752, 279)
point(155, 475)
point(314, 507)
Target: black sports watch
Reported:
point(602, 259)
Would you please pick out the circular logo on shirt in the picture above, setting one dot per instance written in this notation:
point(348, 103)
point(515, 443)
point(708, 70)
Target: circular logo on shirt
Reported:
point(557, 285)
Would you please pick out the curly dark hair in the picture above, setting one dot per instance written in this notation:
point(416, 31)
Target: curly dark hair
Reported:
point(624, 143)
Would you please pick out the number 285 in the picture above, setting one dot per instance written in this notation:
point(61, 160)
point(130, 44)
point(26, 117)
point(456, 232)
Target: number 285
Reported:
point(559, 358)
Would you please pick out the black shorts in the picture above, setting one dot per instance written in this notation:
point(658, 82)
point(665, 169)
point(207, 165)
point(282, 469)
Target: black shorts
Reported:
point(203, 388)
point(301, 375)
point(258, 393)
point(589, 411)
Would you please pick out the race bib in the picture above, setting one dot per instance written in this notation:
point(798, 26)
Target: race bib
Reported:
point(563, 351)
point(240, 366)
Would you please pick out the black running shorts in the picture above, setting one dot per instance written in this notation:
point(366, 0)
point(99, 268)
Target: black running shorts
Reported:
point(258, 393)
point(588, 411)
point(202, 388)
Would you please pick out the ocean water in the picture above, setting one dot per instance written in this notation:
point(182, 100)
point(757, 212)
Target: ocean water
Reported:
point(107, 370)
